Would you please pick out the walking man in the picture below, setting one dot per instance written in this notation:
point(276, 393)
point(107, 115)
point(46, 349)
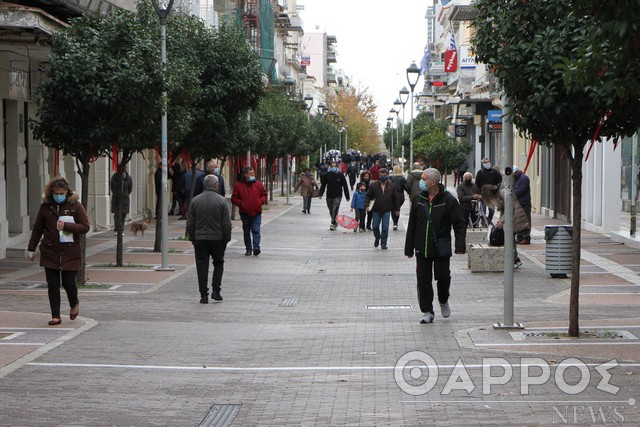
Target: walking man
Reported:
point(433, 213)
point(467, 193)
point(385, 199)
point(522, 191)
point(336, 183)
point(488, 176)
point(209, 229)
point(249, 195)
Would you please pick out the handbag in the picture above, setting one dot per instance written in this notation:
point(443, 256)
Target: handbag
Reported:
point(315, 192)
point(443, 244)
point(496, 236)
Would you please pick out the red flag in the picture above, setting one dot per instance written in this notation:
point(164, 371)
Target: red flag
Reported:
point(451, 61)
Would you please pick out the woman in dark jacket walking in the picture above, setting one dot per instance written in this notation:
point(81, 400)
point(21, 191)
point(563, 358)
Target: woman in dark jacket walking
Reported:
point(306, 183)
point(60, 222)
point(400, 182)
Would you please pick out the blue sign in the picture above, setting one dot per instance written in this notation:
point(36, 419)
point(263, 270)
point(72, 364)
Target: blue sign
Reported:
point(494, 116)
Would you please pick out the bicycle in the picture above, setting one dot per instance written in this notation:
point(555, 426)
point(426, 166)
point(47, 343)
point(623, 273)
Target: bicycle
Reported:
point(480, 220)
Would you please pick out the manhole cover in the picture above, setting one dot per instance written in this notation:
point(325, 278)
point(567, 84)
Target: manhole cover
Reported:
point(313, 261)
point(387, 306)
point(288, 302)
point(603, 334)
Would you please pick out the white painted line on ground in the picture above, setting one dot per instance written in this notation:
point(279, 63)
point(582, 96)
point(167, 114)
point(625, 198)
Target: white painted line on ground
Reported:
point(630, 401)
point(283, 368)
point(23, 343)
point(558, 343)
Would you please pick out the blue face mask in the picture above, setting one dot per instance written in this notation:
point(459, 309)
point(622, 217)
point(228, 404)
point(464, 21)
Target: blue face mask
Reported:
point(59, 198)
point(423, 185)
point(252, 178)
point(383, 178)
point(333, 170)
point(216, 170)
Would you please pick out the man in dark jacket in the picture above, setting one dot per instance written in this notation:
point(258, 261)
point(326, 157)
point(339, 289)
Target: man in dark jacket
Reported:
point(209, 229)
point(126, 187)
point(522, 191)
point(385, 199)
point(487, 175)
point(335, 183)
point(467, 193)
point(433, 213)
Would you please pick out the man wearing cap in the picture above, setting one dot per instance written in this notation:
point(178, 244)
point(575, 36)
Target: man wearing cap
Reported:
point(522, 191)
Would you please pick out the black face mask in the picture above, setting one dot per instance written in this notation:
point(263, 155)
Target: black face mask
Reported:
point(467, 183)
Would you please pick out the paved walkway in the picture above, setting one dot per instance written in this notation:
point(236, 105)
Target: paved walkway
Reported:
point(311, 333)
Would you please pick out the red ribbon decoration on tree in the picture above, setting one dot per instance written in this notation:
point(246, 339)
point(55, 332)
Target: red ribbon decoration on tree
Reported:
point(595, 135)
point(532, 149)
point(114, 157)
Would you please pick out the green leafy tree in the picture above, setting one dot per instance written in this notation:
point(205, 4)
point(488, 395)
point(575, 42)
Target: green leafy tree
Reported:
point(91, 101)
point(433, 145)
point(526, 44)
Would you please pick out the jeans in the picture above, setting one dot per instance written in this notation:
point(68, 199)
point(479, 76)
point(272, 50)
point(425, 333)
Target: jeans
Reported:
point(334, 207)
point(378, 218)
point(251, 227)
point(361, 215)
point(442, 275)
point(306, 204)
point(53, 286)
point(203, 250)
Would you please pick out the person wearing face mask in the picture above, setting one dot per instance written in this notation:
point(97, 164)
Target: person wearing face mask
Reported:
point(488, 176)
point(358, 202)
point(434, 212)
point(522, 191)
point(306, 183)
point(365, 176)
point(59, 223)
point(384, 196)
point(336, 184)
point(212, 169)
point(467, 192)
point(249, 195)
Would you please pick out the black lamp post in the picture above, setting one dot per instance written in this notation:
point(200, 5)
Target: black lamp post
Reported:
point(404, 97)
point(413, 75)
point(163, 8)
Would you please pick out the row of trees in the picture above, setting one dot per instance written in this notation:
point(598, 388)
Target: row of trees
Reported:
point(103, 96)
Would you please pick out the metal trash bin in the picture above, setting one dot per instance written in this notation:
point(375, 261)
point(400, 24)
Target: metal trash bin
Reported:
point(558, 250)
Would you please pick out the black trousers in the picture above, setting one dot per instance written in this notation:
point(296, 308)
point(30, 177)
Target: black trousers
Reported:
point(55, 278)
point(205, 249)
point(442, 275)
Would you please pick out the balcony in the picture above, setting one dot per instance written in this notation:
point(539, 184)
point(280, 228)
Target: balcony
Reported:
point(331, 78)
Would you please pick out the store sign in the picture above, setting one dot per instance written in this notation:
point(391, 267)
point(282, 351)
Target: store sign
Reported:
point(451, 61)
point(494, 116)
point(461, 130)
point(467, 57)
point(305, 60)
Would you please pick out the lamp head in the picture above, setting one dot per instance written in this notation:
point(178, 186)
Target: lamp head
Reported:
point(413, 74)
point(308, 102)
point(404, 95)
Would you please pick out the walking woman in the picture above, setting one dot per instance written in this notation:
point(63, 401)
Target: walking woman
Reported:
point(60, 222)
point(400, 182)
point(306, 183)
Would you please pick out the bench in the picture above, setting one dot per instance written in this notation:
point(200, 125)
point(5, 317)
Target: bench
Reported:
point(482, 258)
point(476, 236)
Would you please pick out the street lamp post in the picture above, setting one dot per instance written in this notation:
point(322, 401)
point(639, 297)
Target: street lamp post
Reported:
point(389, 122)
point(322, 110)
point(340, 129)
point(308, 103)
point(346, 137)
point(413, 75)
point(163, 9)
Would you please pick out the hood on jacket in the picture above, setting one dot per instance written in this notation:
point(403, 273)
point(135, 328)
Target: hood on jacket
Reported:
point(47, 195)
point(417, 173)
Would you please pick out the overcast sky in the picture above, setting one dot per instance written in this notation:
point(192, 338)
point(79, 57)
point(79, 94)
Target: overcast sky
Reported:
point(376, 42)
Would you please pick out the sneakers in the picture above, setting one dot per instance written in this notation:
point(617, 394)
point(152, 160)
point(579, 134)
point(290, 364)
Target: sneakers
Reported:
point(256, 252)
point(523, 242)
point(427, 318)
point(376, 243)
point(215, 295)
point(383, 247)
point(248, 252)
point(362, 230)
point(445, 310)
point(355, 230)
point(395, 227)
point(204, 300)
point(332, 227)
point(517, 263)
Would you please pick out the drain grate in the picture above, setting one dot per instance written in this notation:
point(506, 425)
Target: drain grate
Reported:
point(313, 261)
point(387, 306)
point(221, 415)
point(562, 335)
point(288, 302)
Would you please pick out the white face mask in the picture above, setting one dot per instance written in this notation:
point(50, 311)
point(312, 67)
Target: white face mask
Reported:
point(486, 165)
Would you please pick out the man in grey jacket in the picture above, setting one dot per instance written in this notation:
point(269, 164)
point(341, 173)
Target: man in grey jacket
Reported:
point(209, 229)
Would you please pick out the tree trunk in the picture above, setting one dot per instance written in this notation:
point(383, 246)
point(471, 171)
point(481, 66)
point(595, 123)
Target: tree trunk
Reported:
point(118, 220)
point(576, 178)
point(157, 243)
point(83, 171)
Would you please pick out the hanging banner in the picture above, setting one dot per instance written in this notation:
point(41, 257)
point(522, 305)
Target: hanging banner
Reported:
point(451, 61)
